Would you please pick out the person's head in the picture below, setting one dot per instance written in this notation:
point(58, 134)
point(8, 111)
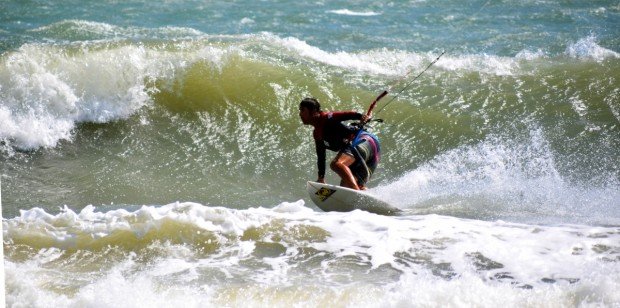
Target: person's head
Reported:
point(308, 107)
point(310, 103)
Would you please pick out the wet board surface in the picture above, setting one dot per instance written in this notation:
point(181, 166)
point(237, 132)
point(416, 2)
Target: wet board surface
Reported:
point(342, 199)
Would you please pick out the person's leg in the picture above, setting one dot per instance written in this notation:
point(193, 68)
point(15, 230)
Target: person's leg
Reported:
point(340, 165)
point(363, 153)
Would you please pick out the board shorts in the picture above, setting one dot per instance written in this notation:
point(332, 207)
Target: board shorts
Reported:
point(366, 151)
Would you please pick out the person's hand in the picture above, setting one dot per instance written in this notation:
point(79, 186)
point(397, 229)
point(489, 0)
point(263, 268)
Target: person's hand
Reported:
point(366, 118)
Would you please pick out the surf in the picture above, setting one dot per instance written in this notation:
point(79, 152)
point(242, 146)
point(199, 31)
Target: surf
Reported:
point(225, 105)
point(49, 89)
point(156, 150)
point(219, 252)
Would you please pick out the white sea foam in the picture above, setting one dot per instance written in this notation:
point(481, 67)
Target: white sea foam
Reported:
point(503, 178)
point(488, 64)
point(588, 48)
point(353, 13)
point(46, 90)
point(396, 63)
point(423, 258)
point(530, 55)
point(339, 59)
point(246, 20)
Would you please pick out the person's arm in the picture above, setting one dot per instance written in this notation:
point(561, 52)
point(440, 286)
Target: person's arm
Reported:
point(345, 115)
point(320, 160)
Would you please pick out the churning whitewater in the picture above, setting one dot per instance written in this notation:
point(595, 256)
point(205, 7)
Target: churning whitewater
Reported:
point(152, 154)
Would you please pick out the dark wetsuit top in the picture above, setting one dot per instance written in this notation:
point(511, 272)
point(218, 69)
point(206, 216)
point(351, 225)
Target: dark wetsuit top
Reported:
point(330, 133)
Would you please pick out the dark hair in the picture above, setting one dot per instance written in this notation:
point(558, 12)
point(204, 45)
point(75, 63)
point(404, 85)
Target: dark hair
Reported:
point(310, 103)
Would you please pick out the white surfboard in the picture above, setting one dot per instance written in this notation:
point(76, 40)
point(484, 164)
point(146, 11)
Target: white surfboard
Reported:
point(342, 199)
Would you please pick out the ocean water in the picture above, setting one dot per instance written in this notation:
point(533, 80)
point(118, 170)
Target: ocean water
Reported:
point(152, 155)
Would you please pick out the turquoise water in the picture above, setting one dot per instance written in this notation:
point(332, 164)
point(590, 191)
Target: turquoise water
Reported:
point(155, 148)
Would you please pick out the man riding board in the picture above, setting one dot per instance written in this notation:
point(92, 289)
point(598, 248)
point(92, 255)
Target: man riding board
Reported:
point(358, 151)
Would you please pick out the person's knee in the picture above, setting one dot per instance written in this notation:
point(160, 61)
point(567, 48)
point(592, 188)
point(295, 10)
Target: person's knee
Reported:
point(336, 166)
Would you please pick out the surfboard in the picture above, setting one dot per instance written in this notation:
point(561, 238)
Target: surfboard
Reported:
point(342, 199)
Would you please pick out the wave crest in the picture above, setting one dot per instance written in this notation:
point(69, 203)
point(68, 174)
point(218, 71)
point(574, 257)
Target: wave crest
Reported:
point(353, 13)
point(83, 30)
point(588, 48)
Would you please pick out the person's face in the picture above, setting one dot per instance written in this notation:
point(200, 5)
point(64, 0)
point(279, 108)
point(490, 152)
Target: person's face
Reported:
point(306, 115)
